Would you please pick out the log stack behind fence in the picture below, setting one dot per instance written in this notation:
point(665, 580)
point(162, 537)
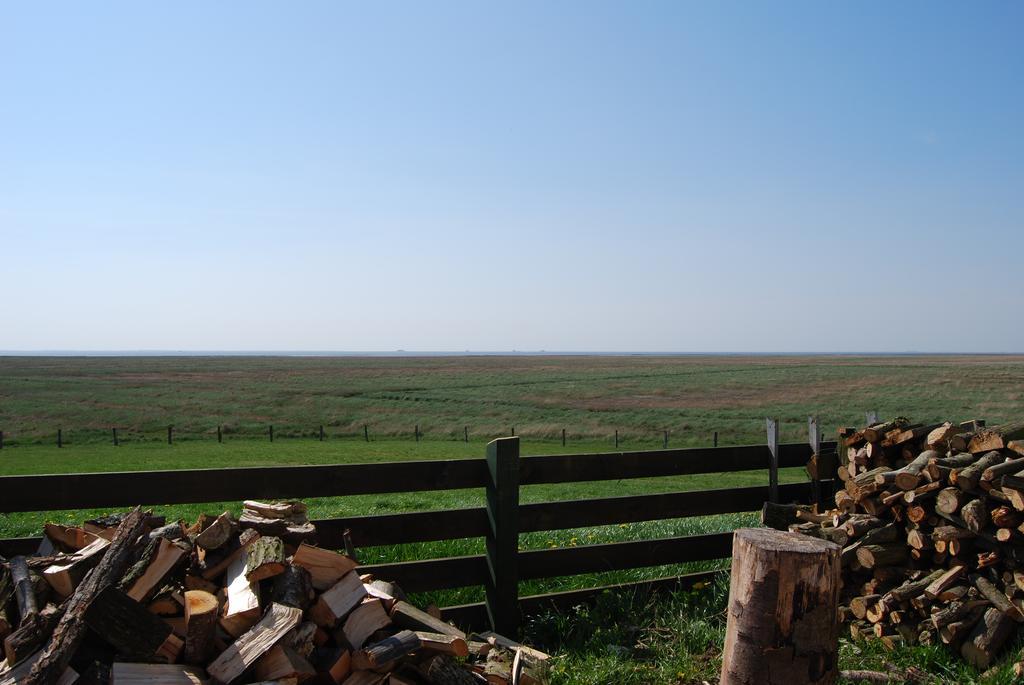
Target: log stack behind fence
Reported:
point(931, 520)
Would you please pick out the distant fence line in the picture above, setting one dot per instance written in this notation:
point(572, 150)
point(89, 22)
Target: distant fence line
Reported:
point(320, 434)
point(116, 438)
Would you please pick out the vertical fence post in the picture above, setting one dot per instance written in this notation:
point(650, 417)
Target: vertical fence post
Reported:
point(170, 440)
point(321, 432)
point(1, 440)
point(465, 434)
point(271, 432)
point(416, 432)
point(513, 433)
point(814, 440)
point(366, 433)
point(502, 489)
point(616, 438)
point(218, 433)
point(773, 459)
point(60, 438)
point(664, 442)
point(114, 431)
point(563, 437)
point(715, 440)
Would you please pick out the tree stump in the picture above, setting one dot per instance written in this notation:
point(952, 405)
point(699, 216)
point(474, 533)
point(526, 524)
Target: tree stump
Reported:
point(783, 627)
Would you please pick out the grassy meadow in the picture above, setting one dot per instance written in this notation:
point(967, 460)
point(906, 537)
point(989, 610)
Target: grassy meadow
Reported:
point(623, 639)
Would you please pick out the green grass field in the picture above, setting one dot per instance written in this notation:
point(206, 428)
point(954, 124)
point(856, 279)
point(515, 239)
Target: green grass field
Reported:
point(622, 639)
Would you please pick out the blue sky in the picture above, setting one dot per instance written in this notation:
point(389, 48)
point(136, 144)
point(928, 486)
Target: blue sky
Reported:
point(647, 176)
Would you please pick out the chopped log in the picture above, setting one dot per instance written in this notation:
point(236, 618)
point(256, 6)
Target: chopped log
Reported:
point(294, 588)
point(913, 588)
point(947, 533)
point(969, 477)
point(944, 582)
point(126, 625)
point(975, 515)
point(282, 661)
point(244, 652)
point(890, 554)
point(909, 477)
point(443, 670)
point(998, 599)
point(941, 436)
point(996, 438)
point(19, 674)
point(140, 584)
point(200, 626)
point(334, 604)
point(264, 559)
point(877, 432)
point(32, 634)
point(1010, 467)
point(860, 605)
point(292, 532)
point(380, 654)
point(155, 674)
point(1006, 517)
point(780, 516)
point(910, 433)
point(217, 533)
point(443, 644)
point(24, 593)
point(770, 569)
point(325, 567)
point(67, 538)
point(1013, 488)
point(277, 510)
point(364, 621)
point(243, 600)
point(498, 667)
point(407, 616)
point(68, 634)
point(987, 638)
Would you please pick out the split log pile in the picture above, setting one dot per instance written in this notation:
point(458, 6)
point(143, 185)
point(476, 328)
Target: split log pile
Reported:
point(931, 524)
point(134, 600)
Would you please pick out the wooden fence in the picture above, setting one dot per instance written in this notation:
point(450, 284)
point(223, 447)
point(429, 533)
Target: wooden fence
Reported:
point(501, 474)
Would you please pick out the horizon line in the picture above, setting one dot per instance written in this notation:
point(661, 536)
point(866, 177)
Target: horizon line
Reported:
point(481, 353)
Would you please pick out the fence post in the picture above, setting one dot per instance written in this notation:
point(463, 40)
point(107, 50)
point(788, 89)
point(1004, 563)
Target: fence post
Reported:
point(1, 440)
point(271, 432)
point(60, 438)
point(664, 443)
point(366, 433)
point(563, 437)
point(114, 430)
point(218, 433)
point(465, 433)
point(513, 433)
point(502, 489)
point(169, 439)
point(417, 432)
point(715, 443)
point(321, 432)
point(616, 438)
point(773, 459)
point(814, 440)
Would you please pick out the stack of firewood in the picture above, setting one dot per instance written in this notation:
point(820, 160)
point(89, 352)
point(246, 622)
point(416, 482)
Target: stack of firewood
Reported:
point(931, 525)
point(131, 600)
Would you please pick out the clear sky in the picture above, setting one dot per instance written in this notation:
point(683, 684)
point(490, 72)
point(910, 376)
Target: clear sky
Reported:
point(678, 176)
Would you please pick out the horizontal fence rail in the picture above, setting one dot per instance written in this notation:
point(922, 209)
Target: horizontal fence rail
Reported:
point(98, 490)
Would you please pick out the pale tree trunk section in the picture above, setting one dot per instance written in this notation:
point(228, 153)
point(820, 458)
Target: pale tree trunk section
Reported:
point(783, 627)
